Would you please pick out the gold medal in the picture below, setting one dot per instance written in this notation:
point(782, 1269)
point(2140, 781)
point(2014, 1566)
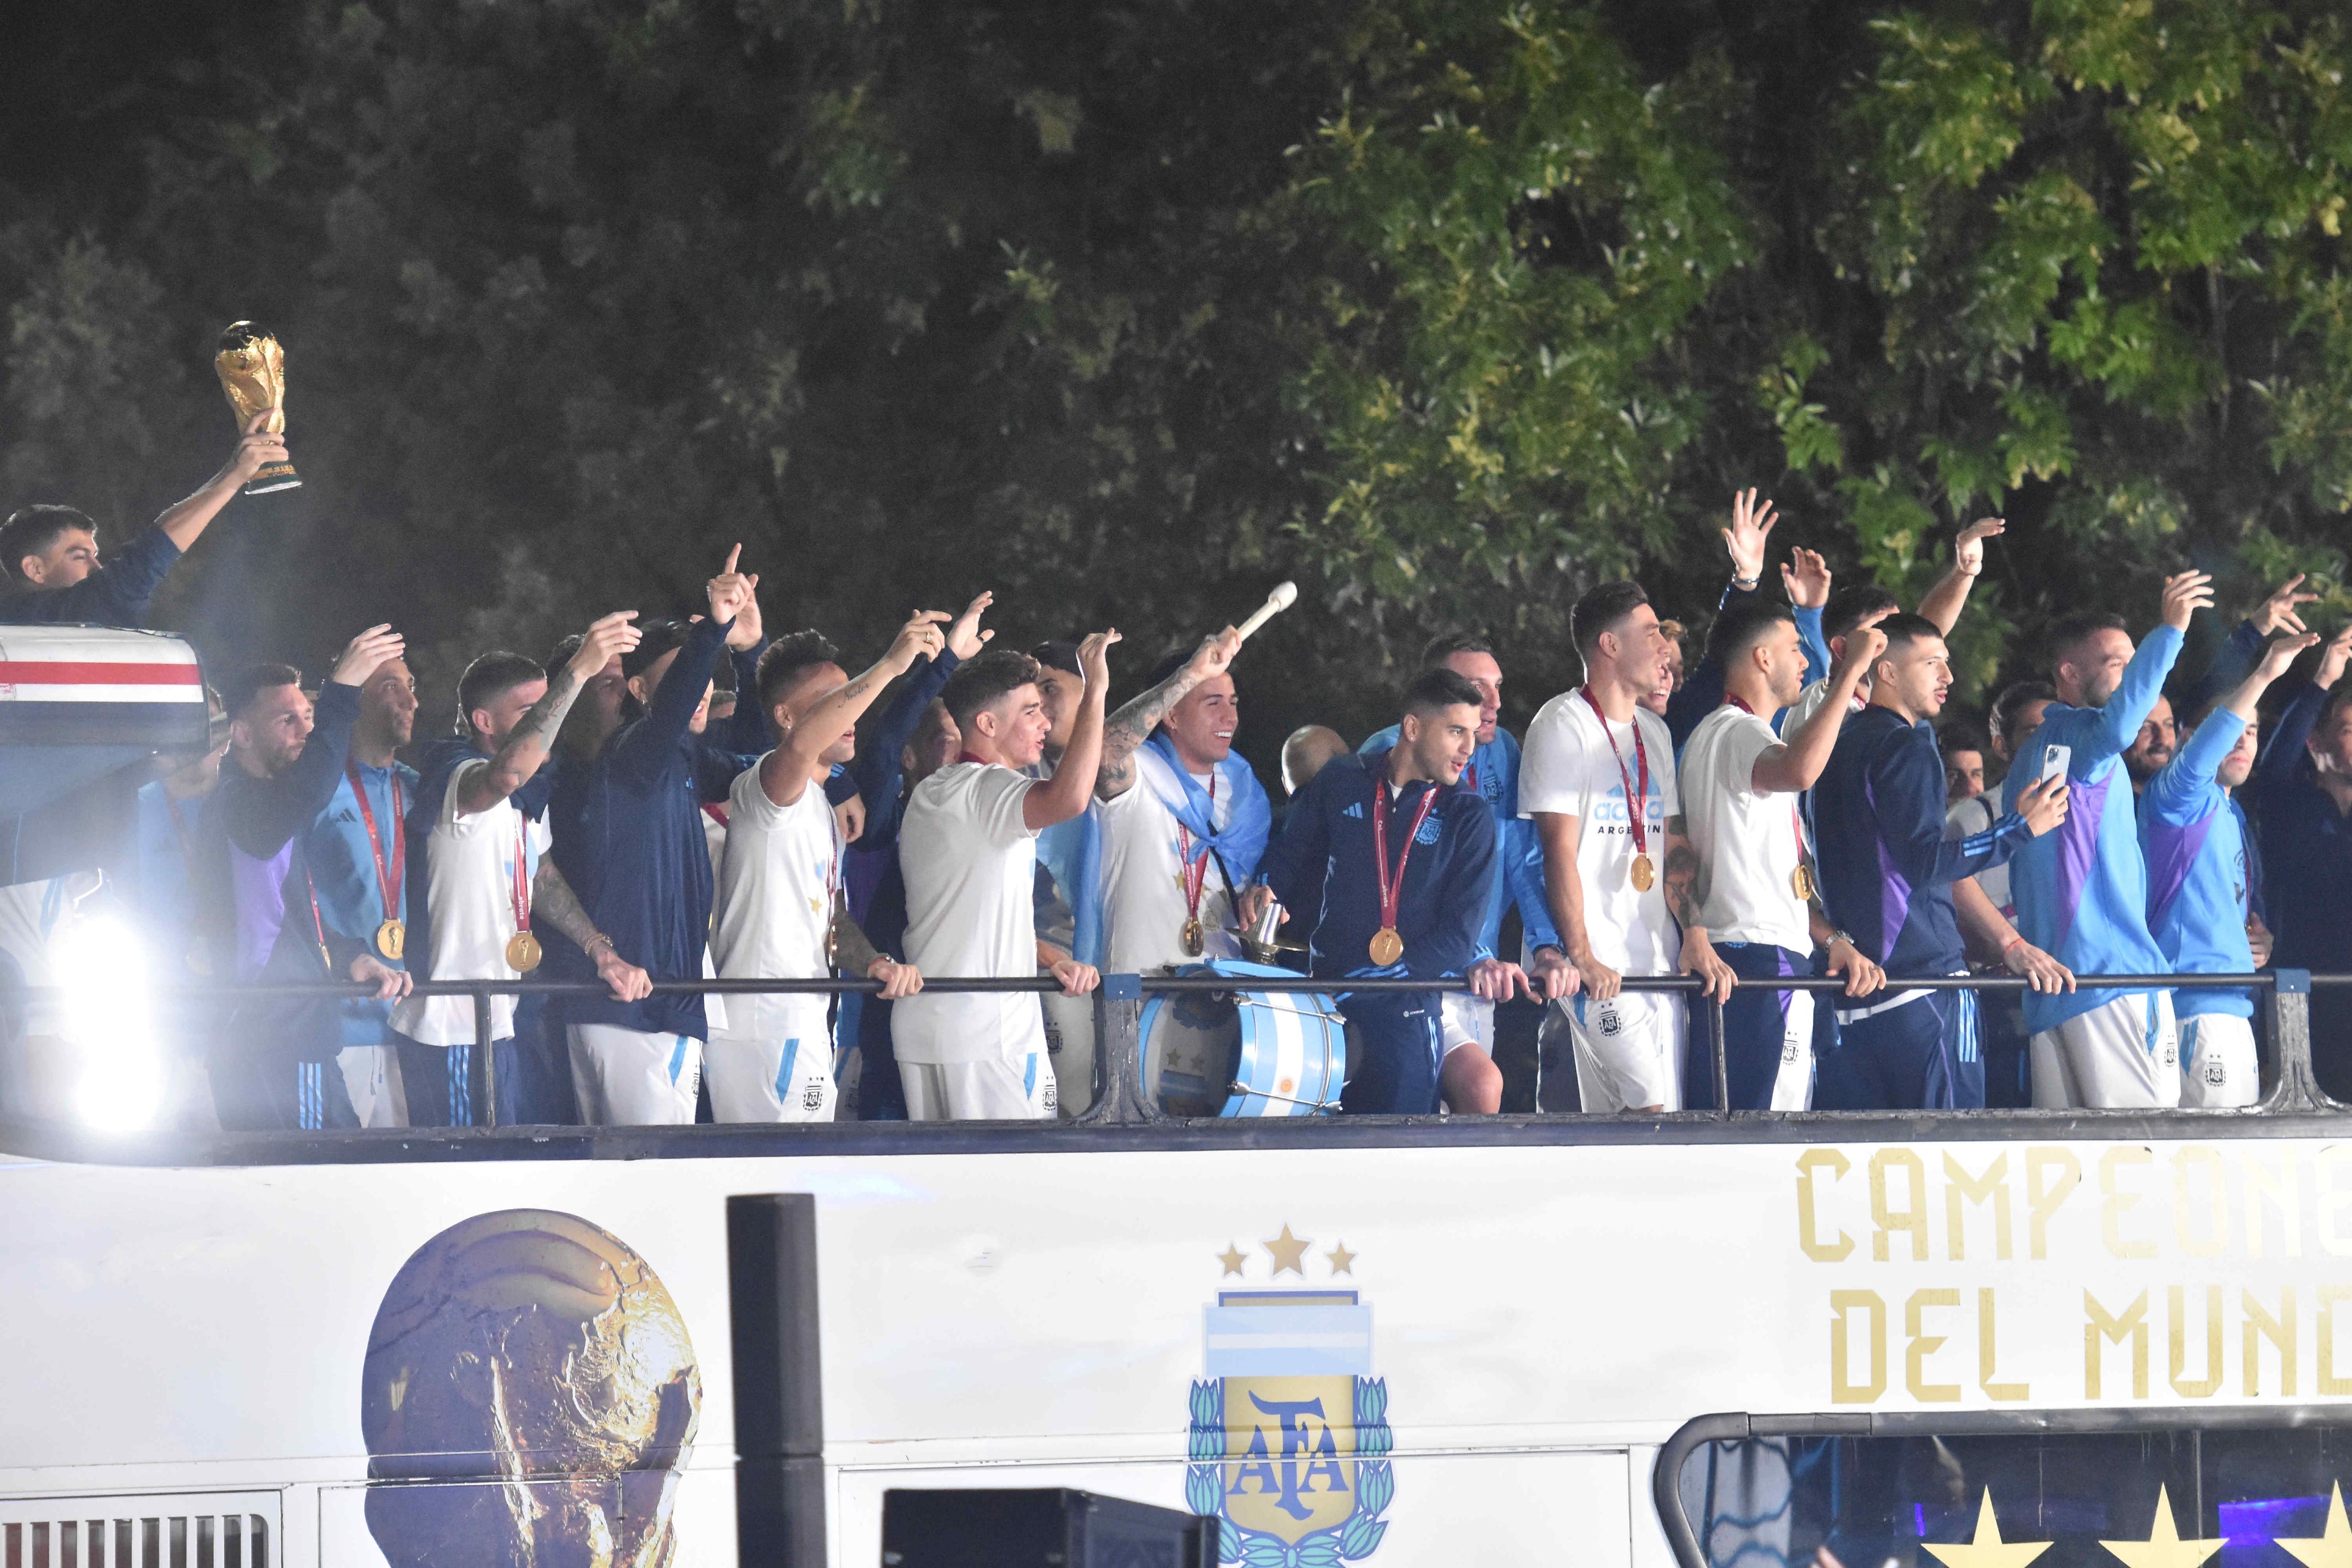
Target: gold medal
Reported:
point(392, 939)
point(1387, 946)
point(1801, 879)
point(1195, 939)
point(522, 953)
point(1643, 873)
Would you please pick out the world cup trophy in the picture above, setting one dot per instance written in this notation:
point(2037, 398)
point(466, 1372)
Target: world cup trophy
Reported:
point(252, 370)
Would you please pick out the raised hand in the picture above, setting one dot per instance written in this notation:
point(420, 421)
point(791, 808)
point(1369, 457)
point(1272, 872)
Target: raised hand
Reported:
point(1214, 655)
point(606, 637)
point(965, 637)
point(2332, 659)
point(734, 597)
point(2278, 609)
point(1806, 578)
point(2282, 652)
point(2184, 596)
point(368, 652)
point(1094, 660)
point(1968, 548)
point(920, 638)
point(1863, 646)
point(256, 449)
point(1748, 535)
point(2043, 805)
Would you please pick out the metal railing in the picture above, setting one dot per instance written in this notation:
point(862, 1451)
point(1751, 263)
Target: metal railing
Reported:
point(1119, 1099)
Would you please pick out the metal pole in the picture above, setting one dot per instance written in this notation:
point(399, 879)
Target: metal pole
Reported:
point(483, 1084)
point(1118, 1034)
point(2290, 1005)
point(771, 1269)
point(1718, 1054)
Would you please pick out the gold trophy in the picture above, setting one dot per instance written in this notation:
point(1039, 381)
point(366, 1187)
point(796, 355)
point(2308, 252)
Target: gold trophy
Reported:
point(252, 369)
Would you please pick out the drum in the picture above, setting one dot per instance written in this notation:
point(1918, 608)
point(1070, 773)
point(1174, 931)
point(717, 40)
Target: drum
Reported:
point(1242, 1053)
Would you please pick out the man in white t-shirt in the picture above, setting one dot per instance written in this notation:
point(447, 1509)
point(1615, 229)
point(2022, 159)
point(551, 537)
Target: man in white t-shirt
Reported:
point(1598, 777)
point(780, 914)
point(480, 815)
point(1184, 821)
point(968, 853)
point(1755, 888)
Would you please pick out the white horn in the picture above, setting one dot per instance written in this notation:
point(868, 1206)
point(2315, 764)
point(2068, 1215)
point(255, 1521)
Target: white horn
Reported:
point(1285, 595)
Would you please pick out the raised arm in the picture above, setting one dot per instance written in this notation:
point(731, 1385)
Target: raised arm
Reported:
point(2144, 677)
point(1806, 577)
point(1906, 785)
point(1950, 595)
point(2283, 749)
point(262, 822)
point(1132, 725)
point(525, 750)
point(1065, 795)
point(1796, 763)
point(1745, 539)
point(184, 521)
point(786, 770)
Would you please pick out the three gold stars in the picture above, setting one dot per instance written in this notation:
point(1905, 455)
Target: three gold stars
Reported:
point(1289, 1252)
point(2164, 1547)
point(1989, 1549)
point(2332, 1548)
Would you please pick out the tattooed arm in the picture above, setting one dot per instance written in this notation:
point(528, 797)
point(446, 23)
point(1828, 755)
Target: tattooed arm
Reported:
point(854, 954)
point(1682, 901)
point(1132, 725)
point(554, 904)
point(808, 730)
point(526, 746)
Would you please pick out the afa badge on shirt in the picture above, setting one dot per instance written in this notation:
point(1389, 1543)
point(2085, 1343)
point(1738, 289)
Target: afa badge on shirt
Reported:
point(1289, 1436)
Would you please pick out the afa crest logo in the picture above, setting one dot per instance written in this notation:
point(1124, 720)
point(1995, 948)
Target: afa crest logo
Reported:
point(1290, 1435)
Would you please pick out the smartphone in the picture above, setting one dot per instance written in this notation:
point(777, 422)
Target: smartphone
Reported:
point(2055, 760)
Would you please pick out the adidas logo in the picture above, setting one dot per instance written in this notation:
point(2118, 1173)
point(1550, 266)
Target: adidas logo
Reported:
point(1355, 811)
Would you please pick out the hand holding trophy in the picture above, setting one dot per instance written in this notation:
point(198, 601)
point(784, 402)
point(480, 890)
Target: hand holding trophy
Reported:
point(252, 370)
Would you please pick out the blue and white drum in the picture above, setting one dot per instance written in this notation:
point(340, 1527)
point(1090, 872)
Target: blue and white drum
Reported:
point(1241, 1052)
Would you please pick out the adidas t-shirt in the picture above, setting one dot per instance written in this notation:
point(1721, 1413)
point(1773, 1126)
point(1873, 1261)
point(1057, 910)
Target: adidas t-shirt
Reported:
point(1143, 883)
point(471, 894)
point(971, 866)
point(778, 879)
point(1567, 767)
point(1748, 841)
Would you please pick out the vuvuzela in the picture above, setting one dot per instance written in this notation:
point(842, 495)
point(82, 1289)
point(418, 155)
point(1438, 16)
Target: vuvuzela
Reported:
point(252, 370)
point(1285, 595)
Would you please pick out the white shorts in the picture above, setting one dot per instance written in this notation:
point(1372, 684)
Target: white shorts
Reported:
point(1629, 1050)
point(371, 1078)
point(980, 1091)
point(1070, 1049)
point(626, 1078)
point(1469, 1021)
point(2121, 1054)
point(788, 1079)
point(2218, 1069)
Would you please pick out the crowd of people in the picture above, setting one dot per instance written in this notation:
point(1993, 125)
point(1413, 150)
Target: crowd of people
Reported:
point(1783, 805)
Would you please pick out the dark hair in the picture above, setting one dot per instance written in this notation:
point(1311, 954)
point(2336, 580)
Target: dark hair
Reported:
point(1166, 668)
point(1434, 689)
point(1057, 655)
point(1903, 628)
point(788, 660)
point(2068, 632)
point(1601, 608)
point(1446, 645)
point(1960, 736)
point(243, 686)
point(2002, 718)
point(1742, 627)
point(565, 650)
point(2335, 705)
point(31, 529)
point(1849, 607)
point(490, 677)
point(660, 637)
point(985, 679)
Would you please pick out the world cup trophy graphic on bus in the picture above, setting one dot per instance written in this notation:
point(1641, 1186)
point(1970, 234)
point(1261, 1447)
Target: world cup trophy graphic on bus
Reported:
point(252, 369)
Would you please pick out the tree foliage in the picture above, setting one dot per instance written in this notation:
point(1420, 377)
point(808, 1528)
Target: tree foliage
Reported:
point(1448, 309)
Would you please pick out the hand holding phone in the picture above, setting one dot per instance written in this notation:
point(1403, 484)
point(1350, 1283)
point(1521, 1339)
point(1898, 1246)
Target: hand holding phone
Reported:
point(2055, 760)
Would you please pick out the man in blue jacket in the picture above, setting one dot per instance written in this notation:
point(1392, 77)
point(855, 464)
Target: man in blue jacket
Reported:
point(1473, 1084)
point(1887, 872)
point(2302, 797)
point(1389, 860)
point(273, 1061)
point(2200, 880)
point(629, 839)
point(50, 553)
point(2082, 895)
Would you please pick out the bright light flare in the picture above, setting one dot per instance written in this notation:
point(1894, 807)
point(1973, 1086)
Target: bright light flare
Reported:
point(107, 1013)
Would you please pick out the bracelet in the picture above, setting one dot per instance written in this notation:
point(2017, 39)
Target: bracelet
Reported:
point(1747, 585)
point(599, 940)
point(2012, 942)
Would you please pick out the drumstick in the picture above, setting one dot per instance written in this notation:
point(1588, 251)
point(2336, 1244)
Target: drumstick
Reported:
point(1285, 595)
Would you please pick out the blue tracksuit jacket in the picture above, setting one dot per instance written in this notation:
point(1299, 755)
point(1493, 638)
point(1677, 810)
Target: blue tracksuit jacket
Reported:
point(2199, 868)
point(1494, 772)
point(2082, 891)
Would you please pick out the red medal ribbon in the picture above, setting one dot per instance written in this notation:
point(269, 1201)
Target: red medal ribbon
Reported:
point(388, 883)
point(521, 881)
point(318, 921)
point(1393, 893)
point(1196, 867)
point(1636, 806)
point(1796, 819)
